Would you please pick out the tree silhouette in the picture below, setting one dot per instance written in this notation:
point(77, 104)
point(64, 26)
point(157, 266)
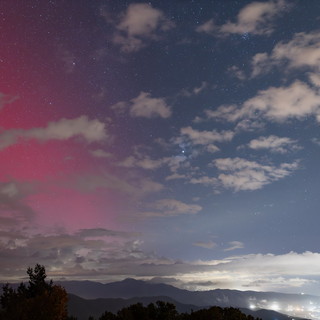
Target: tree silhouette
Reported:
point(167, 311)
point(40, 300)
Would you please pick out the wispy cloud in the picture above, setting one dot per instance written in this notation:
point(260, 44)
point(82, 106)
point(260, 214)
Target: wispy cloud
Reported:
point(140, 24)
point(100, 253)
point(14, 211)
point(241, 174)
point(6, 99)
point(99, 153)
point(255, 18)
point(205, 138)
point(135, 187)
point(300, 52)
point(274, 144)
point(274, 104)
point(206, 245)
point(171, 207)
point(194, 91)
point(146, 106)
point(90, 130)
point(234, 245)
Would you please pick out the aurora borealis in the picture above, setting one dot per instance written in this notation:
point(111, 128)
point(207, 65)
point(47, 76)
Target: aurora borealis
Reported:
point(169, 140)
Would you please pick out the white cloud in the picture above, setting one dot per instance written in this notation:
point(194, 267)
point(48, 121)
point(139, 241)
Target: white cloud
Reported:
point(314, 78)
point(302, 51)
point(140, 23)
point(143, 162)
point(206, 245)
point(6, 99)
point(234, 245)
point(195, 90)
point(97, 253)
point(207, 27)
point(205, 180)
point(274, 144)
point(261, 64)
point(99, 153)
point(90, 130)
point(134, 188)
point(255, 18)
point(144, 105)
point(241, 174)
point(176, 176)
point(295, 101)
point(206, 138)
point(237, 72)
point(15, 211)
point(290, 264)
point(316, 141)
point(171, 207)
point(249, 125)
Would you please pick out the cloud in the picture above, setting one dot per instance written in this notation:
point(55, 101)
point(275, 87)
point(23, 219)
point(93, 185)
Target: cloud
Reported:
point(260, 272)
point(300, 52)
point(274, 144)
point(314, 79)
point(241, 174)
point(99, 153)
point(6, 99)
point(143, 162)
point(176, 176)
point(207, 27)
point(90, 130)
point(255, 18)
point(101, 232)
point(205, 138)
point(316, 141)
point(234, 245)
point(251, 125)
point(72, 254)
point(171, 207)
point(237, 72)
point(206, 245)
point(97, 253)
point(140, 24)
point(278, 104)
point(135, 187)
point(195, 90)
point(145, 106)
point(14, 212)
point(146, 163)
point(205, 180)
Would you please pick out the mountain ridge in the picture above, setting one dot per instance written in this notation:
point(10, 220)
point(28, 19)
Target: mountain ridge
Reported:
point(293, 304)
point(132, 291)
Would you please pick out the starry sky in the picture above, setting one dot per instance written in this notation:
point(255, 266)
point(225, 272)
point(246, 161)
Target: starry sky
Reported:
point(173, 141)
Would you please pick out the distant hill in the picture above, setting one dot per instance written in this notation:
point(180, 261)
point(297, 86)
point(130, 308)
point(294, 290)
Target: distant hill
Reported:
point(123, 293)
point(131, 288)
point(82, 308)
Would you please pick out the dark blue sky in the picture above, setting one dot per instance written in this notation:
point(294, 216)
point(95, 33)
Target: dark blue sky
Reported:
point(169, 139)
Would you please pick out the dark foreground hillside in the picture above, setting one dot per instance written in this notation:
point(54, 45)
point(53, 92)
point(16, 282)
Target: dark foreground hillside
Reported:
point(161, 310)
point(82, 309)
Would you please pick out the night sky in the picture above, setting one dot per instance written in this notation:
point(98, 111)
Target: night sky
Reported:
point(174, 141)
